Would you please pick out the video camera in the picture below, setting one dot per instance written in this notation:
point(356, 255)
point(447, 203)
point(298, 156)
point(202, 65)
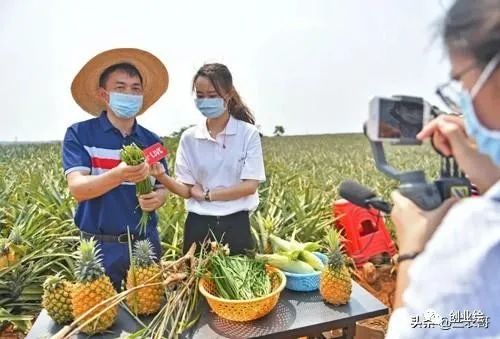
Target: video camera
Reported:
point(398, 120)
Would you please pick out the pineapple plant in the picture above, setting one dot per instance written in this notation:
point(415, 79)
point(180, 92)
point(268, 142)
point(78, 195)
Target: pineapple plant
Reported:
point(91, 288)
point(144, 270)
point(335, 281)
point(57, 299)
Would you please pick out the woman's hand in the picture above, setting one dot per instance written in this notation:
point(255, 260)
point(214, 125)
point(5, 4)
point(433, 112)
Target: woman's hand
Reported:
point(449, 137)
point(157, 170)
point(414, 227)
point(152, 201)
point(197, 192)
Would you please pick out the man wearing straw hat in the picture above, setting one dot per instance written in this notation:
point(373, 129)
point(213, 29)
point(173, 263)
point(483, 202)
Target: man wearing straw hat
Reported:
point(115, 86)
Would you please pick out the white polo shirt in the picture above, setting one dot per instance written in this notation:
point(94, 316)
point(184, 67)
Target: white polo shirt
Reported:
point(204, 160)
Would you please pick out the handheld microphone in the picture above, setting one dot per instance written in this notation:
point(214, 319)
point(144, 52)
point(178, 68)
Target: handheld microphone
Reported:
point(362, 196)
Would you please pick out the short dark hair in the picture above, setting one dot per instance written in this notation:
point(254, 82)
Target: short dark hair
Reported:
point(130, 69)
point(473, 27)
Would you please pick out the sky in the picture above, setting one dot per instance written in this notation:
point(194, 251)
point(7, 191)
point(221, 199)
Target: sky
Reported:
point(308, 65)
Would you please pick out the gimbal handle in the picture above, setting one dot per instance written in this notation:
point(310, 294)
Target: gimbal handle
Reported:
point(384, 167)
point(413, 183)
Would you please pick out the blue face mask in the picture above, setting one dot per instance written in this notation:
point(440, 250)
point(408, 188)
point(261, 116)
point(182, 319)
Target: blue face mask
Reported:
point(210, 107)
point(125, 106)
point(488, 141)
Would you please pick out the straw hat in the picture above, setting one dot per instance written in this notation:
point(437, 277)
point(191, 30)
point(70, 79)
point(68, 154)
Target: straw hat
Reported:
point(86, 83)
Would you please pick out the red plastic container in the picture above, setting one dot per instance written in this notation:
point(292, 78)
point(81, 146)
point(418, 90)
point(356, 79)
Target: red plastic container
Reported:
point(364, 230)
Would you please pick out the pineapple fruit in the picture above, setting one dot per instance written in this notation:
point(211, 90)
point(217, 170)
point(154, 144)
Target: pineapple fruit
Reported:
point(91, 288)
point(7, 255)
point(144, 270)
point(12, 249)
point(57, 299)
point(335, 281)
point(17, 243)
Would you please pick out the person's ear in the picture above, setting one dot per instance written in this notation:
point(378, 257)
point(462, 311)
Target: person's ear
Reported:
point(228, 97)
point(103, 95)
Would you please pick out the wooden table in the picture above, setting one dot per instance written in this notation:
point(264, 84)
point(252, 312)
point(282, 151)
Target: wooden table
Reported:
point(297, 314)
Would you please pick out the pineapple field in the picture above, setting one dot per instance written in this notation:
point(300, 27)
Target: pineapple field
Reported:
point(39, 239)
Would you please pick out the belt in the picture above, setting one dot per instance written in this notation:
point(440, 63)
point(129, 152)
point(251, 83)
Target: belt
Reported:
point(120, 238)
point(221, 217)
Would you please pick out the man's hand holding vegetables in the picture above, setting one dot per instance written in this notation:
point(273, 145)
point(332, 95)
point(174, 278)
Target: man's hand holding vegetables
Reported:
point(133, 173)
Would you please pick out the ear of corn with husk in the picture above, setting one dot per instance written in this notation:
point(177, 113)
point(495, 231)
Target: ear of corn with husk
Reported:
point(292, 256)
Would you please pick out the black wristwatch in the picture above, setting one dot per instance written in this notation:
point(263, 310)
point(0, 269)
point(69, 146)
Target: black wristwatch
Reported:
point(207, 195)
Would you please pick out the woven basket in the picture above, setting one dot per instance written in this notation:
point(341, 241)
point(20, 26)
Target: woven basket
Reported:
point(305, 282)
point(244, 310)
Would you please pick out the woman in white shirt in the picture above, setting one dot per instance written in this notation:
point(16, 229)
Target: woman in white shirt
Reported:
point(448, 278)
point(219, 164)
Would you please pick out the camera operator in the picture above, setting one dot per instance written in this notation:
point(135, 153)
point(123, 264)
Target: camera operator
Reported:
point(458, 270)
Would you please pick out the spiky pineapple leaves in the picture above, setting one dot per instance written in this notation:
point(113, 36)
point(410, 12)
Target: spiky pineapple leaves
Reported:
point(336, 256)
point(52, 282)
point(89, 262)
point(143, 254)
point(16, 235)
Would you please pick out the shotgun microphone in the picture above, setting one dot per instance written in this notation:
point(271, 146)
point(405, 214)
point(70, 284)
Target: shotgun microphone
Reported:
point(362, 196)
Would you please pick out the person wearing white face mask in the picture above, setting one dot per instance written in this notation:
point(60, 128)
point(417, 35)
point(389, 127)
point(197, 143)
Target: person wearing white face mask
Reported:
point(116, 86)
point(219, 164)
point(448, 280)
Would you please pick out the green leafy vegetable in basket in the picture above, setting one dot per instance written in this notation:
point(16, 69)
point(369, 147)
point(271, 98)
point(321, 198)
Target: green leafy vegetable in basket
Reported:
point(132, 155)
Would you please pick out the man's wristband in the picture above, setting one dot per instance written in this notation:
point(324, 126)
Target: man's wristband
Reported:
point(407, 256)
point(207, 196)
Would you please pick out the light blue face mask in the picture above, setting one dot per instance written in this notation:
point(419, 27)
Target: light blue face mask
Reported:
point(210, 107)
point(488, 141)
point(125, 106)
